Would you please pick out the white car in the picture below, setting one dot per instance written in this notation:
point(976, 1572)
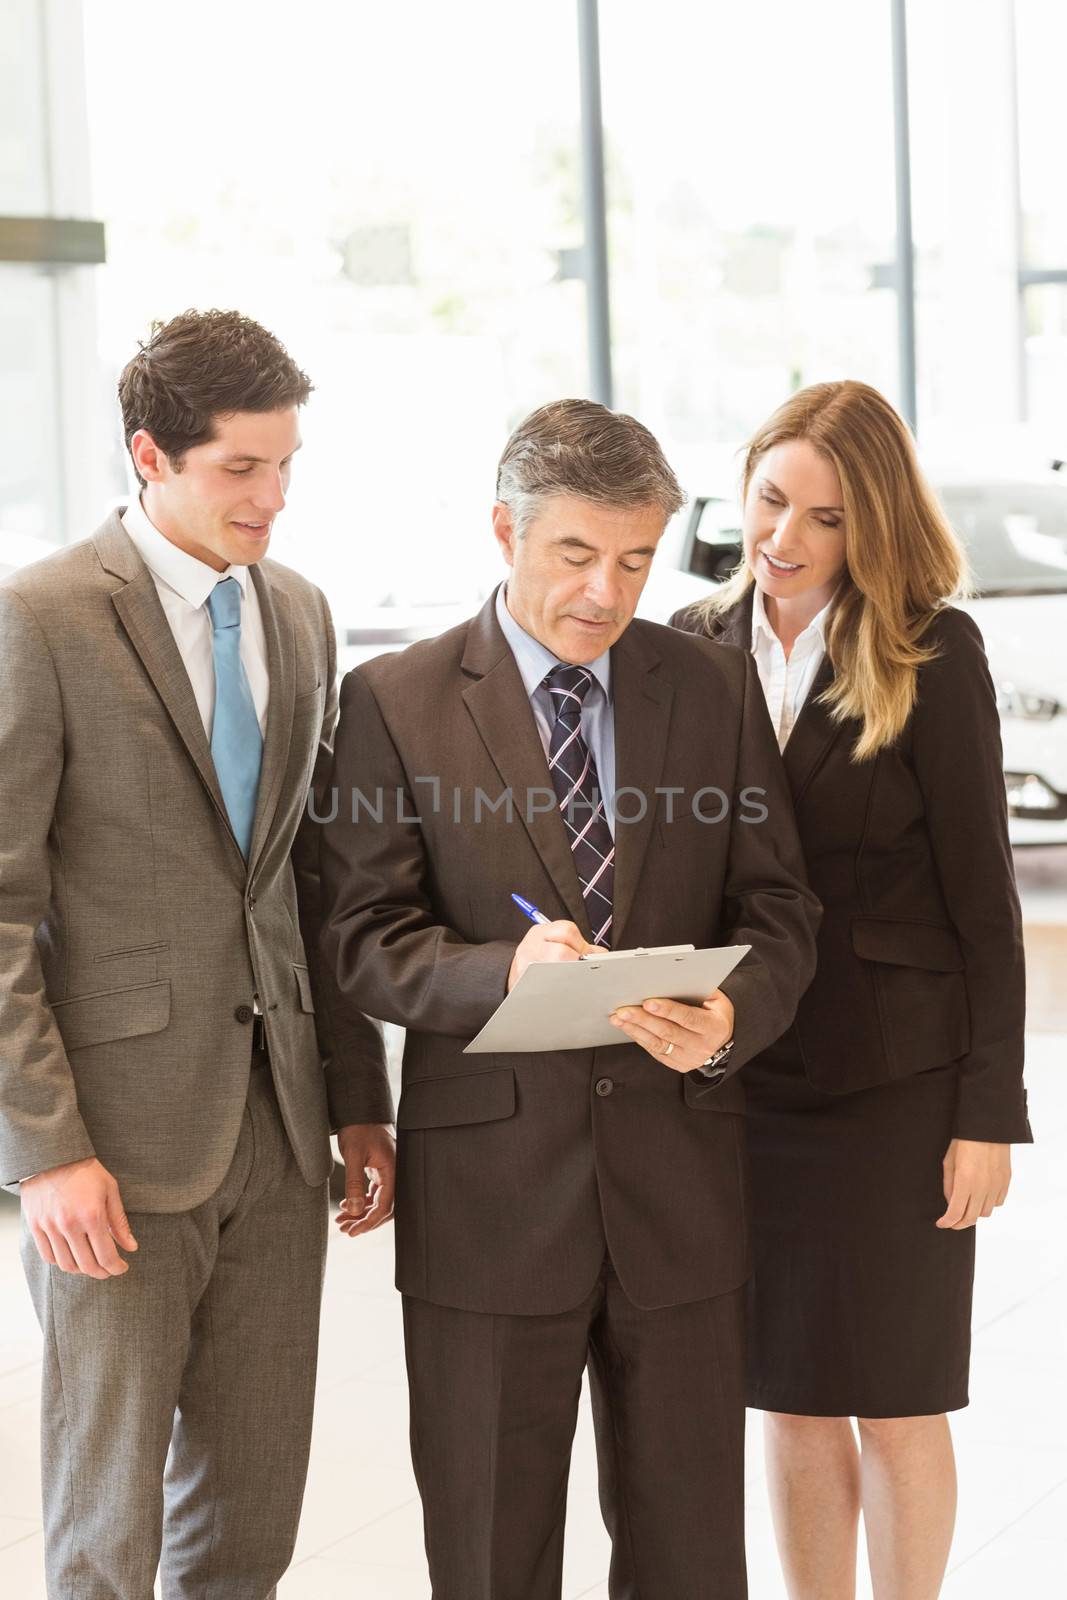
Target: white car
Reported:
point(19, 550)
point(1015, 533)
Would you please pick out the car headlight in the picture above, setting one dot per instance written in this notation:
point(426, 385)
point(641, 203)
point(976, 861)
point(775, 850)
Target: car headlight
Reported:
point(1031, 796)
point(1015, 702)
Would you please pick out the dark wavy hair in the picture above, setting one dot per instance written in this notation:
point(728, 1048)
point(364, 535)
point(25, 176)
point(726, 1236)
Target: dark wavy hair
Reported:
point(199, 366)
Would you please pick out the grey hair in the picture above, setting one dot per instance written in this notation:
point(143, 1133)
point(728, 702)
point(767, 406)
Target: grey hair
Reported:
point(577, 447)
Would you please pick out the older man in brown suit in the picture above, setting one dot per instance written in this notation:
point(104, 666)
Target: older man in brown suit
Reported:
point(171, 1056)
point(579, 1207)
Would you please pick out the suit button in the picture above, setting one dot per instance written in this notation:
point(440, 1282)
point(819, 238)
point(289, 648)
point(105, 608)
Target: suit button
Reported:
point(251, 902)
point(244, 1014)
point(604, 1086)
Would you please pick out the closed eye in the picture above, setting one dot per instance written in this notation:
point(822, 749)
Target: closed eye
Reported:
point(242, 472)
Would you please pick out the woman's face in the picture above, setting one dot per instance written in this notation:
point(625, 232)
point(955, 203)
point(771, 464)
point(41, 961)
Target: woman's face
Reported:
point(794, 525)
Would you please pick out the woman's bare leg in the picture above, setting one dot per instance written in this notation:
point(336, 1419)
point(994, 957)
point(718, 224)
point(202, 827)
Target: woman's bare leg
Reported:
point(813, 1474)
point(908, 1479)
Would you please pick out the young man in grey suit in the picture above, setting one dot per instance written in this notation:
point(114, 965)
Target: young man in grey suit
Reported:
point(172, 1056)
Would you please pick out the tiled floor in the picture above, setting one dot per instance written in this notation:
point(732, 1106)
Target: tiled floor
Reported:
point(361, 1534)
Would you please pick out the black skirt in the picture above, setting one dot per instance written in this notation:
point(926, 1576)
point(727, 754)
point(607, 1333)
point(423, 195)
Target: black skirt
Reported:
point(859, 1305)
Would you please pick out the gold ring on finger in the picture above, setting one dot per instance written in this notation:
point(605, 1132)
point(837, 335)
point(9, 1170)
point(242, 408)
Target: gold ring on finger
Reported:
point(668, 1047)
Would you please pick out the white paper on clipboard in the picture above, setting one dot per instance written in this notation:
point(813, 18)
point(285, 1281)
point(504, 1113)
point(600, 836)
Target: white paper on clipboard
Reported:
point(565, 1005)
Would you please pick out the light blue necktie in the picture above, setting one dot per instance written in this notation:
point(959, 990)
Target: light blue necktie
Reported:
point(236, 742)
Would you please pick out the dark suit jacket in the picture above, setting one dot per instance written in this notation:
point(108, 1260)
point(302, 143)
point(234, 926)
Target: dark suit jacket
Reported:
point(920, 949)
point(516, 1171)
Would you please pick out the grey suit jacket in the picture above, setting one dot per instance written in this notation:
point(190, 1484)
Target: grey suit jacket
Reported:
point(133, 935)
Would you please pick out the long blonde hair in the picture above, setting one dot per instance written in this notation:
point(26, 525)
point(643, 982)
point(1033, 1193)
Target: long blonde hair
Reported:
point(903, 562)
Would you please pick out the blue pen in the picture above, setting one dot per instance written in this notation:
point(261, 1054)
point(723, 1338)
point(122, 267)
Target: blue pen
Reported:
point(530, 910)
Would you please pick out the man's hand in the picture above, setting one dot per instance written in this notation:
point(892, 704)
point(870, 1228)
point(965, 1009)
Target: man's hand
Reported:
point(75, 1215)
point(695, 1032)
point(977, 1176)
point(549, 941)
point(368, 1150)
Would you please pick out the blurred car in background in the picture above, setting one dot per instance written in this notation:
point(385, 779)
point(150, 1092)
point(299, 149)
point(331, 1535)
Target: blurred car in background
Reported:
point(20, 550)
point(1015, 534)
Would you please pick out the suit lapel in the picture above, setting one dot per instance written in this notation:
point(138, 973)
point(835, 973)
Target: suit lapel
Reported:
point(814, 731)
point(642, 708)
point(735, 626)
point(500, 707)
point(281, 665)
point(146, 626)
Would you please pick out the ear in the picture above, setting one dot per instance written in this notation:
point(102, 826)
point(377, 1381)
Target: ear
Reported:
point(504, 529)
point(148, 458)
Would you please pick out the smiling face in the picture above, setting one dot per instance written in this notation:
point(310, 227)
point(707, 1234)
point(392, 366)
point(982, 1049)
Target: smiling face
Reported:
point(578, 571)
point(221, 505)
point(794, 528)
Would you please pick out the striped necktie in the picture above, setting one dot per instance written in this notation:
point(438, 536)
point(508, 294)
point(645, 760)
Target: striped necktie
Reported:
point(236, 740)
point(581, 804)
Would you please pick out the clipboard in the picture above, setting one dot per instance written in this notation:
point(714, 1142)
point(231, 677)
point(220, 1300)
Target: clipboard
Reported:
point(565, 1005)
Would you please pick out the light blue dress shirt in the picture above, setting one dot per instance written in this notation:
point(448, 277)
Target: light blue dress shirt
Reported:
point(598, 715)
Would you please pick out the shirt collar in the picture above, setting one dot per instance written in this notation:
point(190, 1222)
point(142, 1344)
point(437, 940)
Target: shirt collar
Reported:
point(816, 627)
point(190, 578)
point(533, 660)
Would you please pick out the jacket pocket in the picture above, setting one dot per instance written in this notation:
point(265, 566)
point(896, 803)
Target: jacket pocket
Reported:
point(133, 950)
point(113, 1014)
point(900, 943)
point(466, 1098)
point(727, 1095)
point(303, 984)
point(920, 989)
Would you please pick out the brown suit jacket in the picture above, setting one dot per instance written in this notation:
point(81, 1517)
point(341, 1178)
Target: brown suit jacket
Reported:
point(517, 1172)
point(920, 948)
point(133, 934)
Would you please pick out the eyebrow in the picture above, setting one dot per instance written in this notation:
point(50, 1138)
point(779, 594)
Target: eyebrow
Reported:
point(259, 461)
point(838, 510)
point(572, 541)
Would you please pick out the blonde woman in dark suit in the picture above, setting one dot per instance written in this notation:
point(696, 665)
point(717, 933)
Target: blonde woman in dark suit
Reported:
point(880, 1125)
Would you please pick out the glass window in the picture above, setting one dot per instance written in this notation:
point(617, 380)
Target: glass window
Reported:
point(30, 476)
point(24, 178)
point(392, 205)
point(751, 195)
point(29, 406)
point(1041, 48)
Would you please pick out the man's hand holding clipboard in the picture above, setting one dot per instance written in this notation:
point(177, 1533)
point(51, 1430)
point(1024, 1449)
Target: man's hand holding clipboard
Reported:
point(565, 993)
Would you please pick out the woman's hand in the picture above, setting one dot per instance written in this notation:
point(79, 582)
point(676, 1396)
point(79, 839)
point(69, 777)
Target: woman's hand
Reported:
point(977, 1176)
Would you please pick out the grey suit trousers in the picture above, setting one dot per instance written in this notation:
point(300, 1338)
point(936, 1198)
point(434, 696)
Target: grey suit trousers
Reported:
point(177, 1403)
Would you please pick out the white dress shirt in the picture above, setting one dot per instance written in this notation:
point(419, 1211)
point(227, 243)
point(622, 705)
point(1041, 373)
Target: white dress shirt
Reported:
point(183, 584)
point(787, 683)
point(598, 717)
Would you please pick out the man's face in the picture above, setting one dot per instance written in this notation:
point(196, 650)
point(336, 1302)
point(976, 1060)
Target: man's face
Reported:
point(578, 571)
point(221, 506)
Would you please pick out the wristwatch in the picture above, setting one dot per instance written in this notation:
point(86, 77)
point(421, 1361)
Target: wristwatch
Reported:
point(715, 1066)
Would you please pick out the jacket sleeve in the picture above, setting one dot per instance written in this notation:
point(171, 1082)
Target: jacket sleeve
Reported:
point(351, 1043)
point(382, 938)
point(960, 771)
point(40, 1125)
point(767, 901)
